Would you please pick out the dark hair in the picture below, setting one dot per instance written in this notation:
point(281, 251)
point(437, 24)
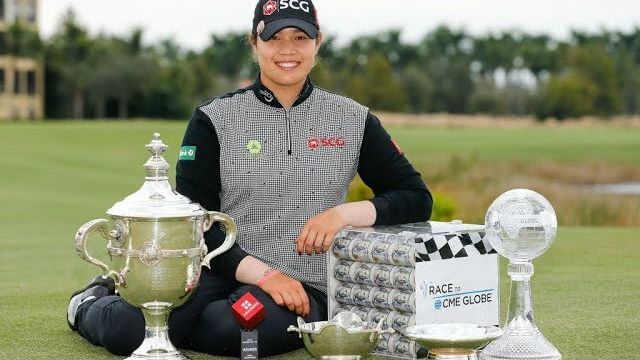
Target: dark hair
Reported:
point(251, 39)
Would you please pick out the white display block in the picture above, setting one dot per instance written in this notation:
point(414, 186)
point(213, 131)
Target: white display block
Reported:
point(462, 290)
point(409, 274)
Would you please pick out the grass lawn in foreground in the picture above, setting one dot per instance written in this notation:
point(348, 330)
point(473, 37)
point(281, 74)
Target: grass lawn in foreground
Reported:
point(57, 176)
point(585, 294)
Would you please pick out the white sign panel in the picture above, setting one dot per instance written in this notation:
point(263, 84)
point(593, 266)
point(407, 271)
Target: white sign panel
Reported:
point(459, 290)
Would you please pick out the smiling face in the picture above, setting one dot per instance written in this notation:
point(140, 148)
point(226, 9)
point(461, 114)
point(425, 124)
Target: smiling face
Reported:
point(286, 59)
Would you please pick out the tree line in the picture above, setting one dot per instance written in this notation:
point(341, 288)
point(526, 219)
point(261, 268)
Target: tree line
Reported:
point(448, 70)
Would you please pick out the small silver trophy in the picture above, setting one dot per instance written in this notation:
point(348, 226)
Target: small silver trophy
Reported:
point(156, 246)
point(455, 341)
point(345, 337)
point(521, 225)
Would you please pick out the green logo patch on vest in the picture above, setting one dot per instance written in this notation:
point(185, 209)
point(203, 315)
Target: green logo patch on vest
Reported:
point(254, 147)
point(187, 153)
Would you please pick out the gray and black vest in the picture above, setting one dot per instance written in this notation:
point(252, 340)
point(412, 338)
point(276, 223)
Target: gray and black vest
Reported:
point(280, 168)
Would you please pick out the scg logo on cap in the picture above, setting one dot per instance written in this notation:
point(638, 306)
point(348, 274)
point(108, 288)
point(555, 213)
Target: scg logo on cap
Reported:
point(269, 8)
point(295, 4)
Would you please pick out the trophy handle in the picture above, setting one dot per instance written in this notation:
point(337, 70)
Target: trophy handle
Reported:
point(231, 231)
point(298, 329)
point(292, 328)
point(81, 246)
point(379, 331)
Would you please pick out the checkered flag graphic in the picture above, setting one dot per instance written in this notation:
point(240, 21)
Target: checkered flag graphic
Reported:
point(448, 246)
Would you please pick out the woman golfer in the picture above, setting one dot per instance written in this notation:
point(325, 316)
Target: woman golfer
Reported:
point(278, 156)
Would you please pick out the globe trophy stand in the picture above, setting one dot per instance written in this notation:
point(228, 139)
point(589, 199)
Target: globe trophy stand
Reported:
point(521, 225)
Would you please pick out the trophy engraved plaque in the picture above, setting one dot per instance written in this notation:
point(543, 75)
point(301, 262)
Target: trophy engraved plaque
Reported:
point(156, 245)
point(521, 225)
point(249, 313)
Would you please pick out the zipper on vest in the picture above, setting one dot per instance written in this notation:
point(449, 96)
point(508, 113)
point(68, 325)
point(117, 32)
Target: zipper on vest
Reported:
point(286, 112)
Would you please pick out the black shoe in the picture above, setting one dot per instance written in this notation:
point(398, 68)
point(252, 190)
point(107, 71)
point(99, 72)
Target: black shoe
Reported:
point(97, 288)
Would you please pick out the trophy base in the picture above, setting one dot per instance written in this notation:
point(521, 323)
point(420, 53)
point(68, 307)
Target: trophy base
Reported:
point(176, 355)
point(157, 346)
point(521, 340)
point(453, 354)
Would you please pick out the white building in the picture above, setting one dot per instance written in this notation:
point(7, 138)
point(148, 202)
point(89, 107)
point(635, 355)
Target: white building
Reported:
point(21, 78)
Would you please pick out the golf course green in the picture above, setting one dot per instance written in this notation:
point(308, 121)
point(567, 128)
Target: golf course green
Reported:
point(55, 176)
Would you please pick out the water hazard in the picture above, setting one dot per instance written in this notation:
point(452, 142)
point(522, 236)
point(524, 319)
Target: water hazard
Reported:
point(631, 188)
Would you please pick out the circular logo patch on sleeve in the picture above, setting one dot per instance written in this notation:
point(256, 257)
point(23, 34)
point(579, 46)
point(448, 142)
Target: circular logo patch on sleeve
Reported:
point(254, 147)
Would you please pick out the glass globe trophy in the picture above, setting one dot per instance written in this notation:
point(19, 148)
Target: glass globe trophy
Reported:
point(520, 225)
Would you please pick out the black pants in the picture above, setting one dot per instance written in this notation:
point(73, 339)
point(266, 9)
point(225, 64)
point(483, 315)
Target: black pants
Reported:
point(205, 323)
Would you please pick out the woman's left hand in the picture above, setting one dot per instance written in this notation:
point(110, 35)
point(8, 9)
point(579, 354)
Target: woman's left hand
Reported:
point(319, 231)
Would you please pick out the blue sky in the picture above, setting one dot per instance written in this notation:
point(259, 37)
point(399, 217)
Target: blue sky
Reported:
point(191, 22)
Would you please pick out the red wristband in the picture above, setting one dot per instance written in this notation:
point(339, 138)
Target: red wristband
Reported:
point(268, 275)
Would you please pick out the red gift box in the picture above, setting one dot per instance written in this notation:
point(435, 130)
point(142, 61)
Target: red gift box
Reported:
point(248, 311)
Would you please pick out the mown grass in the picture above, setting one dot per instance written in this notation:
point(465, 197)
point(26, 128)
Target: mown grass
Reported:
point(469, 167)
point(56, 176)
point(529, 144)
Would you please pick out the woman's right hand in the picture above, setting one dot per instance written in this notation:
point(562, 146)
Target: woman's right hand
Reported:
point(287, 292)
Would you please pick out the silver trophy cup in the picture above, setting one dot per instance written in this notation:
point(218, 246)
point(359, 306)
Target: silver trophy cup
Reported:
point(156, 245)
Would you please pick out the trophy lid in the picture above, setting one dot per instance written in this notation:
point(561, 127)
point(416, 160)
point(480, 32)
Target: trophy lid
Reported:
point(155, 199)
